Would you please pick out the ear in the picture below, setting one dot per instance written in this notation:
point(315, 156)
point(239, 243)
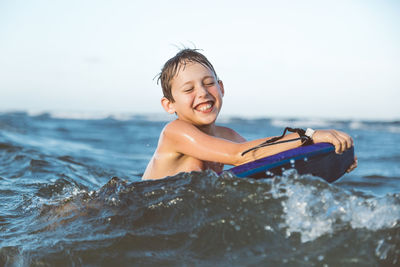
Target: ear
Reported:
point(221, 86)
point(168, 105)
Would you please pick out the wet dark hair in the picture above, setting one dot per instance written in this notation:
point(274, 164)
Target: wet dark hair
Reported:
point(174, 64)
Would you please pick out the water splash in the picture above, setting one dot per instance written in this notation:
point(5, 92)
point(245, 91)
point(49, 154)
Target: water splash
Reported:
point(316, 209)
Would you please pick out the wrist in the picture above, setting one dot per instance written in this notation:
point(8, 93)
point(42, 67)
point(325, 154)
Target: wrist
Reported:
point(307, 137)
point(309, 133)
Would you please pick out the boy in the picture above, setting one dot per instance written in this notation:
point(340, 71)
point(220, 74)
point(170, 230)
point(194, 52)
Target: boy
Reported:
point(193, 142)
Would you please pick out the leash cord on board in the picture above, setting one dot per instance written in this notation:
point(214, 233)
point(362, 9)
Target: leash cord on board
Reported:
point(306, 140)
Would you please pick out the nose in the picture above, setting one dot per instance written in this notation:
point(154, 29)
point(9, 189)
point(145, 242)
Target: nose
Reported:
point(202, 91)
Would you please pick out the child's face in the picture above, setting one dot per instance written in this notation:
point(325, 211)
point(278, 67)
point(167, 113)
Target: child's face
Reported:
point(197, 94)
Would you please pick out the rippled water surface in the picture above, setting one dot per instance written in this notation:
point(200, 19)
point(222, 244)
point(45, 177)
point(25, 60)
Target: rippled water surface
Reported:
point(71, 195)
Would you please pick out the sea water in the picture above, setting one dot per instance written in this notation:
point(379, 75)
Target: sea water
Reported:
point(71, 195)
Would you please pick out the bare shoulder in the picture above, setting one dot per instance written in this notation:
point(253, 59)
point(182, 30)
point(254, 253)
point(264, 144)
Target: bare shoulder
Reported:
point(230, 134)
point(182, 130)
point(177, 133)
point(178, 124)
point(177, 127)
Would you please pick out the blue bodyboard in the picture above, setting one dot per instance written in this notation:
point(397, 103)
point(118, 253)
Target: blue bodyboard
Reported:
point(317, 159)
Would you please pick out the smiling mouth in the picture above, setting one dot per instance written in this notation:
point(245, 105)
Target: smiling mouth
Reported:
point(205, 107)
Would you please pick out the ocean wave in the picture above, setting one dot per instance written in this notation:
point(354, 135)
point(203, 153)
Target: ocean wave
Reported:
point(391, 127)
point(59, 206)
point(101, 115)
point(91, 115)
point(387, 126)
point(320, 209)
point(201, 217)
point(355, 124)
point(301, 123)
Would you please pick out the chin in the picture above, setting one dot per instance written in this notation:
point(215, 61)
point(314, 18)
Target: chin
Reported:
point(209, 120)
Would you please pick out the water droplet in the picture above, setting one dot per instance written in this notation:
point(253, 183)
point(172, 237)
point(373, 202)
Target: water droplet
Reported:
point(292, 162)
point(268, 228)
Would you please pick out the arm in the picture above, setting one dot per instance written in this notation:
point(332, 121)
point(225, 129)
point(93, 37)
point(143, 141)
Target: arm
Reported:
point(186, 139)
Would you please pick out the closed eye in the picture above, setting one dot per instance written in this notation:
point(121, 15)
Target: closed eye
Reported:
point(209, 83)
point(188, 90)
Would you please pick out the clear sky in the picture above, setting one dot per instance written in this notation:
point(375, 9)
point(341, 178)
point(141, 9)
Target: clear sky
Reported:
point(329, 59)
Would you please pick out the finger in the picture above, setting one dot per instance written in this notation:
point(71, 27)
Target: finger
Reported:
point(345, 143)
point(340, 144)
point(351, 168)
point(345, 139)
point(349, 140)
point(353, 165)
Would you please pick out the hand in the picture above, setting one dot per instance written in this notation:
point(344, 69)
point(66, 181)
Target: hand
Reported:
point(354, 165)
point(340, 140)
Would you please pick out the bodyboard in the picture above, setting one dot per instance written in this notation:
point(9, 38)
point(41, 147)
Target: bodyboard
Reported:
point(317, 159)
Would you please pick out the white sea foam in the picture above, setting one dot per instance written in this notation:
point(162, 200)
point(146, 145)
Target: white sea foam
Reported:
point(76, 115)
point(46, 142)
point(386, 126)
point(394, 129)
point(301, 123)
point(313, 212)
point(378, 126)
point(355, 125)
point(89, 115)
point(99, 115)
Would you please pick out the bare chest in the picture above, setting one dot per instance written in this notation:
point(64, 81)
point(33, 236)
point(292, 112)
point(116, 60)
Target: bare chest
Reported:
point(193, 164)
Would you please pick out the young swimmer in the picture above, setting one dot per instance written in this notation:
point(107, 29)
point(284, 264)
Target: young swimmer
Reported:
point(193, 142)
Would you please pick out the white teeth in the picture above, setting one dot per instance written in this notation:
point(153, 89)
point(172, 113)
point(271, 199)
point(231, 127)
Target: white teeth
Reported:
point(205, 107)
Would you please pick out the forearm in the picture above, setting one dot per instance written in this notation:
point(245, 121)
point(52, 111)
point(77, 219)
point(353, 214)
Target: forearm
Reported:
point(340, 140)
point(264, 151)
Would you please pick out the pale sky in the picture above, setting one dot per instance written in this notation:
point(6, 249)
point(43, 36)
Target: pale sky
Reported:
point(324, 59)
